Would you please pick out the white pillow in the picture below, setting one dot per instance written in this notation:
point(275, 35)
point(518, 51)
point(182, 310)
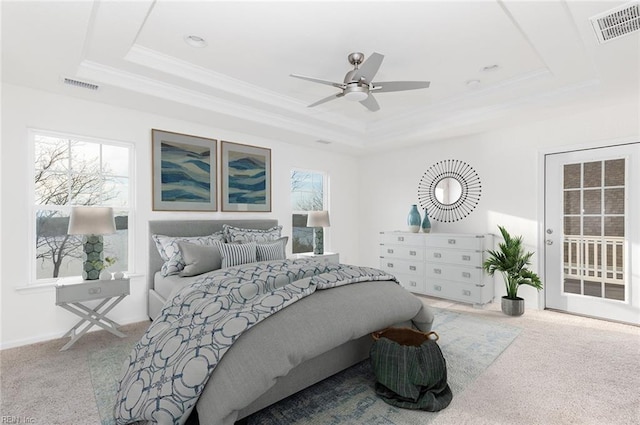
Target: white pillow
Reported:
point(235, 254)
point(275, 250)
point(169, 249)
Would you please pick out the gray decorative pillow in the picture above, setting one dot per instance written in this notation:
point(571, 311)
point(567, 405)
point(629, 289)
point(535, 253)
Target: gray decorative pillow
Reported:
point(169, 249)
point(200, 259)
point(235, 254)
point(237, 234)
point(273, 250)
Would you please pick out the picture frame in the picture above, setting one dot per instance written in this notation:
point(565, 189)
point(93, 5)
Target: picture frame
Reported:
point(245, 178)
point(185, 172)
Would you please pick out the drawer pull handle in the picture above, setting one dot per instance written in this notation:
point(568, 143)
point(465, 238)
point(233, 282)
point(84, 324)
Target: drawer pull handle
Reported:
point(466, 258)
point(390, 251)
point(390, 265)
point(413, 253)
point(412, 268)
point(412, 283)
point(437, 271)
point(466, 274)
point(400, 238)
point(452, 241)
point(466, 293)
point(437, 255)
point(437, 287)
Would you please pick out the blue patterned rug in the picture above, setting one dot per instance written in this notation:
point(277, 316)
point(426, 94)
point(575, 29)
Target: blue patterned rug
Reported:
point(469, 345)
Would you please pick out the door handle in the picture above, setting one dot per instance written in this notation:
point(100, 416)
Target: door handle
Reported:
point(549, 242)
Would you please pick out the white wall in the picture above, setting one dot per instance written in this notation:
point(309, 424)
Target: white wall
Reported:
point(507, 162)
point(31, 315)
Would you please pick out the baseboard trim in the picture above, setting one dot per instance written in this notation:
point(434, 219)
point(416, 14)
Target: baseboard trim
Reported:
point(5, 345)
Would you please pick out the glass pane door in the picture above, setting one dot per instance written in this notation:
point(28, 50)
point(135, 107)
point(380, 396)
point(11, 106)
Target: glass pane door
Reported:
point(594, 233)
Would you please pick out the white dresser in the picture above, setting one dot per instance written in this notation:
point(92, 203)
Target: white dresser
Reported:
point(444, 265)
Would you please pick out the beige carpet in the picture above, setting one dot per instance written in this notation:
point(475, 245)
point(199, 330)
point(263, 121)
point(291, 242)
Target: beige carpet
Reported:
point(562, 369)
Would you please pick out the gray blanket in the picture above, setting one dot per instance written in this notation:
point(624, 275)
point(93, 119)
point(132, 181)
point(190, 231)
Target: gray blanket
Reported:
point(170, 366)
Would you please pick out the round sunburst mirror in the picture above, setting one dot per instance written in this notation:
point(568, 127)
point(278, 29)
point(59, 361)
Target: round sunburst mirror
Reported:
point(450, 190)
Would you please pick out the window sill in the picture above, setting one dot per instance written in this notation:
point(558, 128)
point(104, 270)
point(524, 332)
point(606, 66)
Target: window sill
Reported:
point(42, 287)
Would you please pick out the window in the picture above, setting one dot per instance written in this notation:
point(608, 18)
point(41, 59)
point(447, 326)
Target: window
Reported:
point(71, 171)
point(308, 193)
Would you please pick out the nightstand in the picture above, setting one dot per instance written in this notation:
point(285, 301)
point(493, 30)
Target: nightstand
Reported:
point(72, 292)
point(327, 257)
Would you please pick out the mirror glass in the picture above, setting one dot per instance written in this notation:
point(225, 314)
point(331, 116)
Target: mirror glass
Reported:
point(448, 191)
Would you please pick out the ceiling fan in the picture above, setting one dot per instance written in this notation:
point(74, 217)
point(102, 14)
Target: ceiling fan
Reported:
point(358, 84)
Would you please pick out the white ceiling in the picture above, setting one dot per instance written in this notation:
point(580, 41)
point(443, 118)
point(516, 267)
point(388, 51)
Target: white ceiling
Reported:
point(547, 57)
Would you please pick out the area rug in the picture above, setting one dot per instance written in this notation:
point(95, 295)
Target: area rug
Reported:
point(469, 345)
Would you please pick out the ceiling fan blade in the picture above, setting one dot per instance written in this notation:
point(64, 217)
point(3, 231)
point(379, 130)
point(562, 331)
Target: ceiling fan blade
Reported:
point(317, 80)
point(326, 99)
point(371, 103)
point(381, 87)
point(369, 68)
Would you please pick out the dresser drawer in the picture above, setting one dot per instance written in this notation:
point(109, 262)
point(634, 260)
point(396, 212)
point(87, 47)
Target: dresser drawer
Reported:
point(456, 242)
point(442, 255)
point(87, 290)
point(400, 238)
point(438, 271)
point(395, 267)
point(412, 283)
point(455, 291)
point(402, 251)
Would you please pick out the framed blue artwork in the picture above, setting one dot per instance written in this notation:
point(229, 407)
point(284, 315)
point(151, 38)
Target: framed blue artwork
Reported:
point(185, 172)
point(245, 177)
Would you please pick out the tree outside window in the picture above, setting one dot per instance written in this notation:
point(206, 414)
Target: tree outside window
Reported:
point(68, 172)
point(307, 194)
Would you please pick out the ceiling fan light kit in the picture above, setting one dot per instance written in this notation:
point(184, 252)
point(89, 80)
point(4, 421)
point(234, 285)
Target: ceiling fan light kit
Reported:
point(358, 83)
point(356, 93)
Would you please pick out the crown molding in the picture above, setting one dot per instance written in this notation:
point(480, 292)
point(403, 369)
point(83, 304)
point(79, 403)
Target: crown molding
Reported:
point(147, 86)
point(168, 64)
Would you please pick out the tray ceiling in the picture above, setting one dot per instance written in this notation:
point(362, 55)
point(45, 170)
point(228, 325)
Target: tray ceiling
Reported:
point(489, 62)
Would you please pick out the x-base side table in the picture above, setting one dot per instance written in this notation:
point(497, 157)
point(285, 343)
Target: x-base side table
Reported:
point(72, 293)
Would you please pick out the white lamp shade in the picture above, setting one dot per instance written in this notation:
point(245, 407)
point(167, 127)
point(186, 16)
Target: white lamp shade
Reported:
point(91, 221)
point(318, 219)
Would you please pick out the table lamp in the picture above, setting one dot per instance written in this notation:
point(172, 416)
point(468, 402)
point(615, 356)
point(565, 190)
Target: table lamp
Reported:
point(92, 223)
point(318, 220)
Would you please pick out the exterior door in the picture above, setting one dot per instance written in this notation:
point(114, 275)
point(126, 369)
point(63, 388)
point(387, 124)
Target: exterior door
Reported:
point(592, 227)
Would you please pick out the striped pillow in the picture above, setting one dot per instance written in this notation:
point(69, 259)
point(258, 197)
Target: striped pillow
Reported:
point(272, 251)
point(234, 254)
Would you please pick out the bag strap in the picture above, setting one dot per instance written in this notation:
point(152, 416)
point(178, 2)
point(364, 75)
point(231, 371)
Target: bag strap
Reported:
point(430, 335)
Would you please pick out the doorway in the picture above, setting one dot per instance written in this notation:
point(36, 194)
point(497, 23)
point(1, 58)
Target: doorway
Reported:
point(592, 227)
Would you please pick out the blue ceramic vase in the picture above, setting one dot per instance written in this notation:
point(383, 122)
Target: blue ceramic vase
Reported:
point(413, 219)
point(426, 224)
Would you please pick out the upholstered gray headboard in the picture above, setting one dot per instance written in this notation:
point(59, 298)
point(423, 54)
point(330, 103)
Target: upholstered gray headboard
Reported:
point(192, 228)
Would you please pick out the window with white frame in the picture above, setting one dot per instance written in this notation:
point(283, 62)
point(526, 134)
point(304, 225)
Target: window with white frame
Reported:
point(309, 192)
point(77, 171)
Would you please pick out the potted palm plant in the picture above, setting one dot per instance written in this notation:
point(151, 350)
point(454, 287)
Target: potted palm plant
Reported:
point(512, 261)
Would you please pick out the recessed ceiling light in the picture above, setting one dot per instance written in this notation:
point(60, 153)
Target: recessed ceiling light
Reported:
point(473, 83)
point(490, 68)
point(195, 41)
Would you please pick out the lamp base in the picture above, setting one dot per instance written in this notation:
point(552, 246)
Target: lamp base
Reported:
point(318, 241)
point(92, 254)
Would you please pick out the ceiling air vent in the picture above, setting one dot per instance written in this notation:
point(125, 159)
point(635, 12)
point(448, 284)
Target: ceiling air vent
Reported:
point(81, 84)
point(617, 22)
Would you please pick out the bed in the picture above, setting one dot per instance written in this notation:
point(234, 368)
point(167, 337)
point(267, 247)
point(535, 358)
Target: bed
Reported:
point(294, 348)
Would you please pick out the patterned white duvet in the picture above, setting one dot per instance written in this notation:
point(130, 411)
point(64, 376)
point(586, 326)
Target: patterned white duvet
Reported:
point(169, 367)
